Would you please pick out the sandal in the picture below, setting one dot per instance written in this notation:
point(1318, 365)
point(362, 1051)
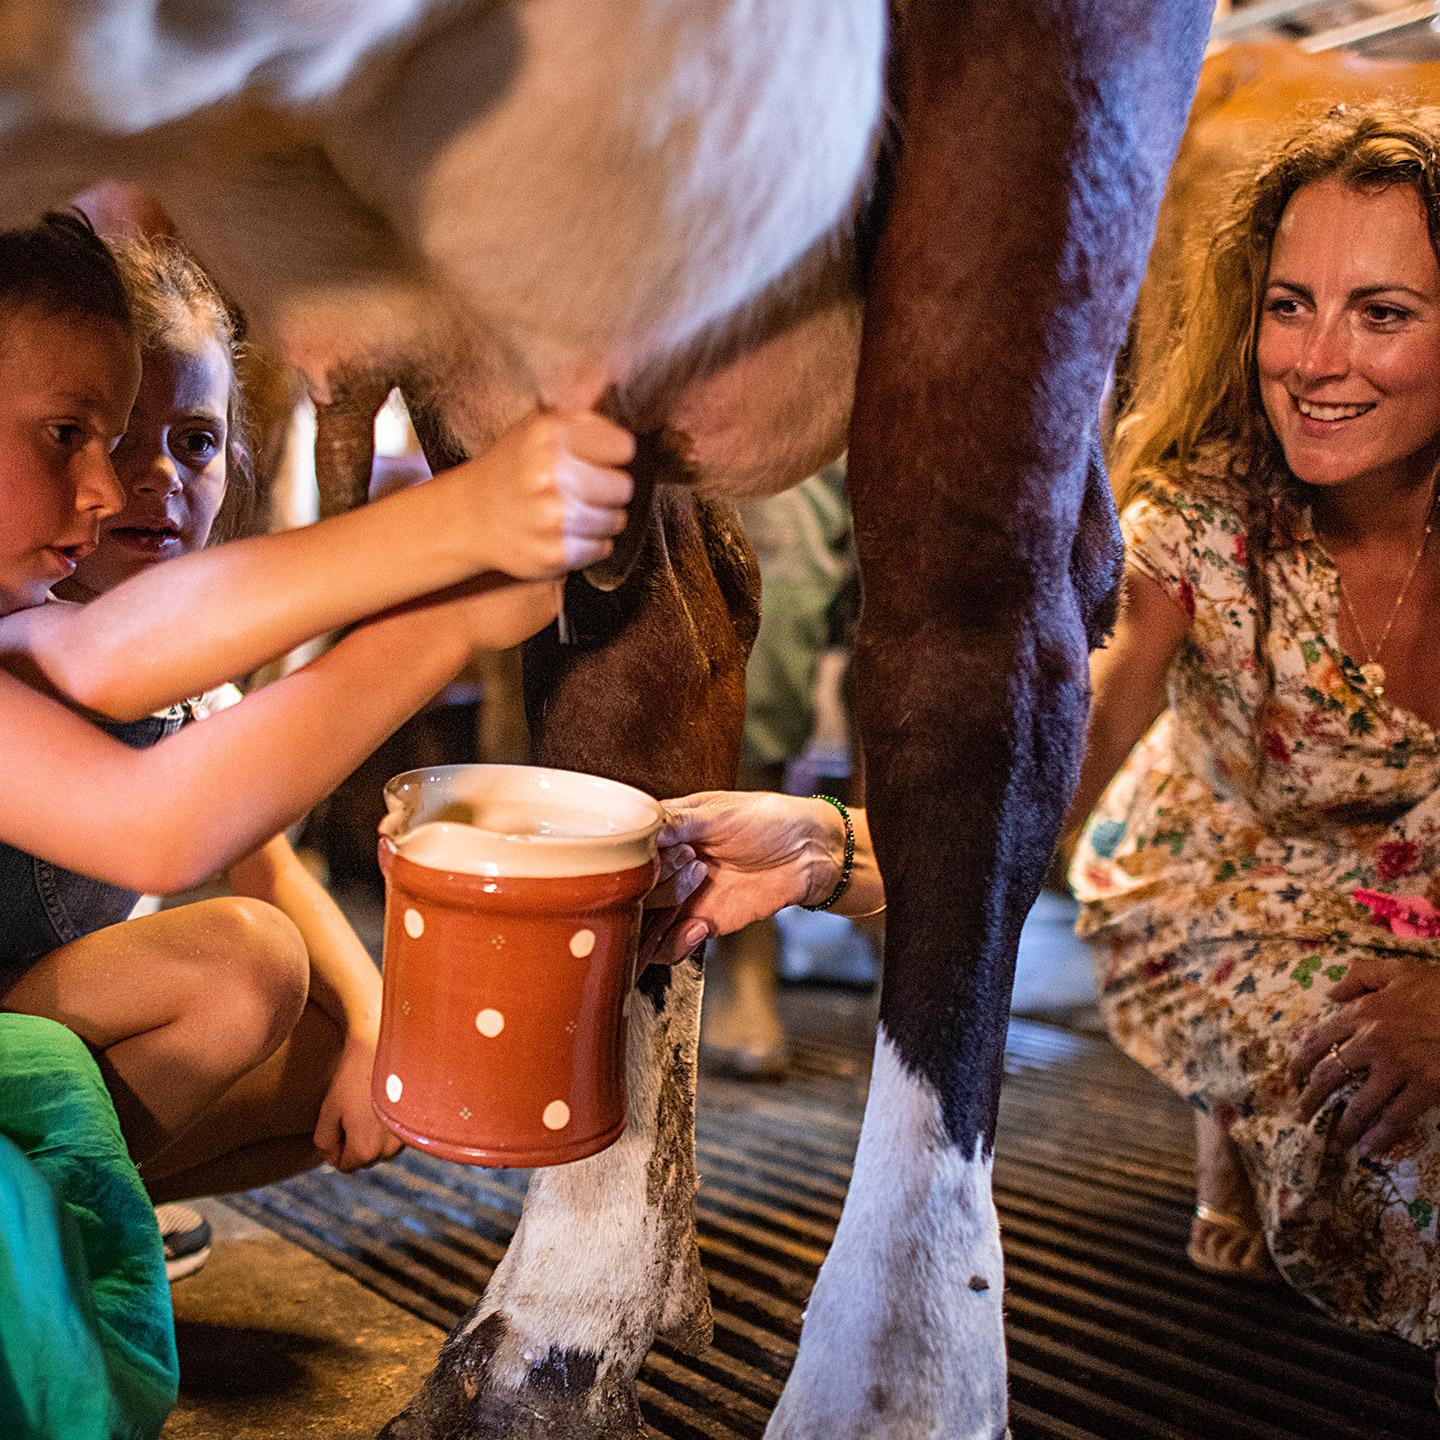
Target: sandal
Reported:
point(1247, 1243)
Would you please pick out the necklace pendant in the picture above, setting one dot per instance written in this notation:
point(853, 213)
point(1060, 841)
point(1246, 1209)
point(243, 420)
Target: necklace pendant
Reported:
point(1373, 674)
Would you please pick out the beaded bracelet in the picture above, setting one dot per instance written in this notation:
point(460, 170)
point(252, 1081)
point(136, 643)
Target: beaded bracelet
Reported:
point(848, 864)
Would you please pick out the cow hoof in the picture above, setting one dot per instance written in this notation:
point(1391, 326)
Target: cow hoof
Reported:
point(562, 1393)
point(741, 1036)
point(453, 1415)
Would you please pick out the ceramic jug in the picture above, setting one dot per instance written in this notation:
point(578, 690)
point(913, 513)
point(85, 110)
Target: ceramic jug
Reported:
point(512, 919)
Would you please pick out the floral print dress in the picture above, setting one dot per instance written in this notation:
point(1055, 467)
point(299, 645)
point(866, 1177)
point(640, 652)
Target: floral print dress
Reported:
point(1219, 894)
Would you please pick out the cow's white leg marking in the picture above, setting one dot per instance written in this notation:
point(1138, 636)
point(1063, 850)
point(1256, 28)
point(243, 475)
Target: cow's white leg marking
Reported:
point(903, 1335)
point(603, 1259)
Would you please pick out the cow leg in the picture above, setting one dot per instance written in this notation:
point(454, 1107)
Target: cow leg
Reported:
point(1036, 139)
point(604, 1259)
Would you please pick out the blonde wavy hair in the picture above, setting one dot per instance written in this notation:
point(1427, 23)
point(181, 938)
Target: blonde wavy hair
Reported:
point(1204, 399)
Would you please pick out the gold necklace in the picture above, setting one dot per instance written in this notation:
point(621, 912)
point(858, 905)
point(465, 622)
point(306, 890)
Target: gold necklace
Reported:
point(1372, 672)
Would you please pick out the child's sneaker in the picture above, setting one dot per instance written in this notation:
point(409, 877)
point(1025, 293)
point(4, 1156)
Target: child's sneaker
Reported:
point(186, 1234)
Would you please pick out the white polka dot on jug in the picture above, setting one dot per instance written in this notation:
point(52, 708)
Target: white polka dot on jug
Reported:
point(394, 1087)
point(489, 1023)
point(557, 1115)
point(414, 924)
point(582, 942)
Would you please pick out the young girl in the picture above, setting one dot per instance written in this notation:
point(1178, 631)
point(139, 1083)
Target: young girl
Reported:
point(183, 467)
point(223, 1073)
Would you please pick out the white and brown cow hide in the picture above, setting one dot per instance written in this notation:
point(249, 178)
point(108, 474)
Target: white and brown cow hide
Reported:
point(540, 198)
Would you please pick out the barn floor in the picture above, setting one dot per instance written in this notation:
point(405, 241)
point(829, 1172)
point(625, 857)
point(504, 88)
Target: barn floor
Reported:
point(318, 1313)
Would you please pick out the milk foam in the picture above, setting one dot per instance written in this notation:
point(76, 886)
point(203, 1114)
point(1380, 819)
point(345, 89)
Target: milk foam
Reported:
point(523, 846)
point(522, 821)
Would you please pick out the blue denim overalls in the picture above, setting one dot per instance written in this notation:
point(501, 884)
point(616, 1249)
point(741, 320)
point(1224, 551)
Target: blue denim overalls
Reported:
point(43, 906)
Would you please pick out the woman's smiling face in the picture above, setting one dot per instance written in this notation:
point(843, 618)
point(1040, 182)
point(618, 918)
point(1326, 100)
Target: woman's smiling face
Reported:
point(1348, 350)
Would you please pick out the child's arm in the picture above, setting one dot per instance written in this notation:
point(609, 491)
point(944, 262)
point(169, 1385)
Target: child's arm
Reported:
point(165, 818)
point(545, 499)
point(344, 983)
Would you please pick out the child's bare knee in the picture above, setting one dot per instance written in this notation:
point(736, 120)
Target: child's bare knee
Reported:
point(268, 970)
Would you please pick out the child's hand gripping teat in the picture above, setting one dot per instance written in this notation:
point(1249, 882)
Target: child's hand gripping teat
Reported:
point(549, 496)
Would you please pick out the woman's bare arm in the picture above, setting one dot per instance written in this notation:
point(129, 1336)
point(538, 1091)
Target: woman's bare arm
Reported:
point(1127, 680)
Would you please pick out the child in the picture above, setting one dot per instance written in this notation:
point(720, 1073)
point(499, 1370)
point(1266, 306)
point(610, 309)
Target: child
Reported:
point(183, 467)
point(199, 1018)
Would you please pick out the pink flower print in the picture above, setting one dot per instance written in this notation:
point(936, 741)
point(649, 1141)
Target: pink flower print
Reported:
point(1411, 916)
point(1275, 747)
point(1240, 548)
point(1395, 858)
point(1187, 596)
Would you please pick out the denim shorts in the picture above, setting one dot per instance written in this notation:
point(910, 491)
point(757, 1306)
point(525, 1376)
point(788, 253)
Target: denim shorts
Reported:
point(43, 906)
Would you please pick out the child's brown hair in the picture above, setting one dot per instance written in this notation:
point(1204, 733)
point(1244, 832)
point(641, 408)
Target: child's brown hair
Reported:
point(62, 265)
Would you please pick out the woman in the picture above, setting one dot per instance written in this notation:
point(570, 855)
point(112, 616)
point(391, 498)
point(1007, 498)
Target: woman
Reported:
point(1258, 878)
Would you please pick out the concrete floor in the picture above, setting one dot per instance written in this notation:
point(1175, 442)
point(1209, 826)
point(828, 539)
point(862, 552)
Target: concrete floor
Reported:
point(277, 1345)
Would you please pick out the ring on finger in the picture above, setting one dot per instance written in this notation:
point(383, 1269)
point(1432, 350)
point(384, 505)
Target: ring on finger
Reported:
point(1349, 1072)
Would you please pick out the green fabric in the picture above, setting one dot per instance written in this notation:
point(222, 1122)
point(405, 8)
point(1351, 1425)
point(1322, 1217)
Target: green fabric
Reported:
point(784, 669)
point(802, 542)
point(87, 1335)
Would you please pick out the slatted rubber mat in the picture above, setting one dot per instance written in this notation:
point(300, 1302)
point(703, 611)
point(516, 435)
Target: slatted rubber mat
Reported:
point(1111, 1333)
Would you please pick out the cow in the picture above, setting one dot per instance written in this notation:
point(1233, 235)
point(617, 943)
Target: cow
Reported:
point(751, 229)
